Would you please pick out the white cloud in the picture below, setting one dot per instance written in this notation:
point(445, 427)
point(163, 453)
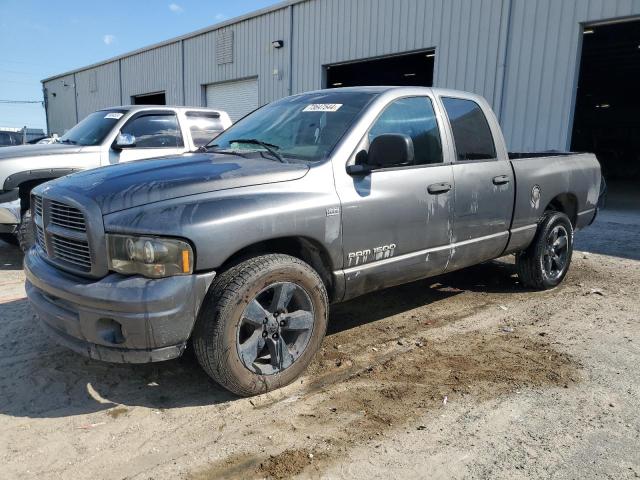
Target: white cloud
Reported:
point(220, 17)
point(109, 39)
point(175, 8)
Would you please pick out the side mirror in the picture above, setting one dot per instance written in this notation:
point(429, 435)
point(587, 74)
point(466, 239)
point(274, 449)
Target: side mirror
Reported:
point(124, 140)
point(391, 150)
point(358, 170)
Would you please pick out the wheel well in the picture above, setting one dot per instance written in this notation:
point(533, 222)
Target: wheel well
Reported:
point(306, 249)
point(24, 191)
point(566, 203)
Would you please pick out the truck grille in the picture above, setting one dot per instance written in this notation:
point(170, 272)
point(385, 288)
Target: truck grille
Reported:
point(66, 216)
point(37, 205)
point(40, 237)
point(72, 251)
point(61, 233)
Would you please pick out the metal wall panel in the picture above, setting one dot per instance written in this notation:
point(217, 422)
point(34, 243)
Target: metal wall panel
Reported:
point(253, 56)
point(522, 55)
point(156, 70)
point(61, 104)
point(465, 33)
point(98, 88)
point(542, 67)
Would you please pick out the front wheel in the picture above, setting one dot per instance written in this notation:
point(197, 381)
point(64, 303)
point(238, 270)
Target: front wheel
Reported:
point(261, 324)
point(545, 262)
point(25, 234)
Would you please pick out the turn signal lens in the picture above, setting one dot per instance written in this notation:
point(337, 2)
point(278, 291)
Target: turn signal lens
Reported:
point(149, 256)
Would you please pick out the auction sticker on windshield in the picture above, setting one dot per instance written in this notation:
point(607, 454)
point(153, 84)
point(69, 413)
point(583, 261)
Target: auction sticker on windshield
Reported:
point(116, 115)
point(322, 107)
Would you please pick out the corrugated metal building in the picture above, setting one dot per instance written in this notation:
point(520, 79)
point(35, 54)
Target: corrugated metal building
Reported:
point(522, 55)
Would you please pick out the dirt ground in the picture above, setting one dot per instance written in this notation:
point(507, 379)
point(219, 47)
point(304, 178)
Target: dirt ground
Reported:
point(467, 375)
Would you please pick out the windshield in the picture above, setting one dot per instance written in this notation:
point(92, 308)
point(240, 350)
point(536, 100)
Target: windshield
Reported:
point(93, 129)
point(305, 127)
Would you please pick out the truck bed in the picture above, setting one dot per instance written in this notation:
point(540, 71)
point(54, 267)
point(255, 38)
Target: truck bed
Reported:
point(543, 180)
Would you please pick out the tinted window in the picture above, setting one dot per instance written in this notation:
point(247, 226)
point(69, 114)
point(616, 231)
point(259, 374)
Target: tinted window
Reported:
point(471, 131)
point(155, 131)
point(93, 128)
point(305, 127)
point(204, 127)
point(414, 117)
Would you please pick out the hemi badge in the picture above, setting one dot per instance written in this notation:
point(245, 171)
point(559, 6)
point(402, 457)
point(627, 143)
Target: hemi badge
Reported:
point(333, 211)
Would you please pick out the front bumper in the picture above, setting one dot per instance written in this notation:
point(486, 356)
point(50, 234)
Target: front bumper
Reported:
point(9, 216)
point(116, 319)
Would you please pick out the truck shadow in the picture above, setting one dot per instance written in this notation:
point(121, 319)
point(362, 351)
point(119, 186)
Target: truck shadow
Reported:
point(10, 257)
point(498, 276)
point(39, 379)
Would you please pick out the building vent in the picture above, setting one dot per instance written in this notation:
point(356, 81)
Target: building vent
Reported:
point(224, 47)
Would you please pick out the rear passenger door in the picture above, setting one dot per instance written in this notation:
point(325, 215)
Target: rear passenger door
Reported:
point(157, 134)
point(484, 185)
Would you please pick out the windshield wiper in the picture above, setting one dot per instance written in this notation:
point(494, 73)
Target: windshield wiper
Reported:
point(208, 148)
point(67, 141)
point(269, 147)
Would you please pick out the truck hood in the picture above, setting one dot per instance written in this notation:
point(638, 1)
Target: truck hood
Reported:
point(21, 151)
point(128, 185)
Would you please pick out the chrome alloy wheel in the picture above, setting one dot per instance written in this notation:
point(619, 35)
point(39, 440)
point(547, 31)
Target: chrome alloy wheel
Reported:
point(275, 328)
point(555, 254)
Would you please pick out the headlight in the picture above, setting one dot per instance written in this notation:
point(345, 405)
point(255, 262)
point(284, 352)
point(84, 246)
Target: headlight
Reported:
point(149, 256)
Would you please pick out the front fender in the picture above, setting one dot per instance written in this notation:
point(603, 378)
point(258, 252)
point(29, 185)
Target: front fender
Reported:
point(13, 181)
point(222, 223)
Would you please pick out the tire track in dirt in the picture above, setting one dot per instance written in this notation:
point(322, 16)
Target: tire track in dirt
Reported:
point(389, 359)
point(407, 376)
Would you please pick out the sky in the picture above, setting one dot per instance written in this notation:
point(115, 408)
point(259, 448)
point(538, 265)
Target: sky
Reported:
point(43, 38)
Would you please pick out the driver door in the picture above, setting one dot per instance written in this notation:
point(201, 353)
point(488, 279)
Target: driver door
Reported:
point(157, 134)
point(396, 220)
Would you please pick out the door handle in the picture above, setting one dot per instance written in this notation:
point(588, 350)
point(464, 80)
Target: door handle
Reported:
point(501, 180)
point(437, 188)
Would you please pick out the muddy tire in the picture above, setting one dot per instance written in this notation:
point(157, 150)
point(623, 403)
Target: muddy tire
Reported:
point(545, 262)
point(25, 233)
point(261, 324)
point(9, 238)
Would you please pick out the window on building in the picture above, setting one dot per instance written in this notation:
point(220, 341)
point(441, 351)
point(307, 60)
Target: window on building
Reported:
point(155, 131)
point(471, 131)
point(204, 127)
point(413, 116)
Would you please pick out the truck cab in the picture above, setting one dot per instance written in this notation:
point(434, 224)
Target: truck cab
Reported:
point(105, 137)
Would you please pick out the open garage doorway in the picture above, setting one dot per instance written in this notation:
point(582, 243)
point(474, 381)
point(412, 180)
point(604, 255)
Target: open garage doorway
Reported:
point(607, 114)
point(408, 69)
point(157, 98)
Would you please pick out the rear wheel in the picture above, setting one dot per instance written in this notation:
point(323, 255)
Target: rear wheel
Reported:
point(261, 324)
point(545, 263)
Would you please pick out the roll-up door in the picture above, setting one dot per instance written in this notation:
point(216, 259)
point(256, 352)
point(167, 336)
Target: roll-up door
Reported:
point(235, 98)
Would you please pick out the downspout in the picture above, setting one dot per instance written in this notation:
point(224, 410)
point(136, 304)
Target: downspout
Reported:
point(182, 58)
point(502, 68)
point(75, 96)
point(290, 88)
point(46, 108)
point(120, 81)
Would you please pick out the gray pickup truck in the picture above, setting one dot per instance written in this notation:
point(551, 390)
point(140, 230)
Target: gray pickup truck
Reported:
point(108, 136)
point(239, 249)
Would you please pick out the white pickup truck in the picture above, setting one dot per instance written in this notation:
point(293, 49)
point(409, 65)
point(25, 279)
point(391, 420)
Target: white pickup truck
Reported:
point(106, 137)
